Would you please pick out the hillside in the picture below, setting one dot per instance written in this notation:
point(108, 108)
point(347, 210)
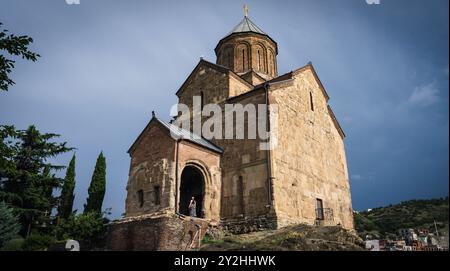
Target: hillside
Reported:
point(384, 222)
point(381, 222)
point(294, 238)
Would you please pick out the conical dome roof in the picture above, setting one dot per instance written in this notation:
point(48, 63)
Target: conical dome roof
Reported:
point(246, 25)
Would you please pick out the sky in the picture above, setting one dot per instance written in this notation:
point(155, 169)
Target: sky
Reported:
point(105, 65)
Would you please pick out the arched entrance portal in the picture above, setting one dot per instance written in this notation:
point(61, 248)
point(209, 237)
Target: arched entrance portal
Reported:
point(192, 185)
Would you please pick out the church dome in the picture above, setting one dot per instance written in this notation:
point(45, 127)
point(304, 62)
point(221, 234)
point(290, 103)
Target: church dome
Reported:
point(247, 48)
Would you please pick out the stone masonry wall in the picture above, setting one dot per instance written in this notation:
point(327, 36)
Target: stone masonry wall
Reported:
point(246, 225)
point(244, 171)
point(171, 233)
point(212, 82)
point(152, 166)
point(309, 162)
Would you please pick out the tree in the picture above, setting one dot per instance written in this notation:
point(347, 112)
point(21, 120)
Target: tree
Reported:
point(96, 189)
point(9, 225)
point(67, 196)
point(25, 179)
point(14, 46)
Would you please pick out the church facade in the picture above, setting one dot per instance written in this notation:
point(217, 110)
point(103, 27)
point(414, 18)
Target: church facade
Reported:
point(236, 184)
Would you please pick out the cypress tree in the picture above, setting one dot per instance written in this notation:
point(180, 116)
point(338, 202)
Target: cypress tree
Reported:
point(96, 189)
point(26, 182)
point(67, 196)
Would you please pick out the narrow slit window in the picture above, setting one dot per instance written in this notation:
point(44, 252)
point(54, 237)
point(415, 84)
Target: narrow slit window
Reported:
point(157, 195)
point(202, 100)
point(319, 210)
point(311, 102)
point(240, 187)
point(140, 196)
point(243, 60)
point(259, 60)
point(270, 64)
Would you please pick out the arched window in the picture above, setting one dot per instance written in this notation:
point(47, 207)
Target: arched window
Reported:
point(260, 58)
point(241, 57)
point(230, 57)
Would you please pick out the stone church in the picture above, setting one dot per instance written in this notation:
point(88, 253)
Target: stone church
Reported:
point(237, 185)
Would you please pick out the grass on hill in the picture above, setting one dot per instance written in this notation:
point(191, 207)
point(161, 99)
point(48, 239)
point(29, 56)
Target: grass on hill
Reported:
point(293, 238)
point(385, 222)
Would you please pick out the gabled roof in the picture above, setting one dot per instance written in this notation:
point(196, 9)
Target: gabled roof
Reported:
point(336, 122)
point(178, 133)
point(217, 67)
point(252, 73)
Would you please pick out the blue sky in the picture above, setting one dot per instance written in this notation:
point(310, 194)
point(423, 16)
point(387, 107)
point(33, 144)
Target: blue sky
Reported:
point(106, 65)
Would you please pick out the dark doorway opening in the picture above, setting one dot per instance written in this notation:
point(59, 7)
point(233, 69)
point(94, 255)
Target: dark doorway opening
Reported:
point(192, 185)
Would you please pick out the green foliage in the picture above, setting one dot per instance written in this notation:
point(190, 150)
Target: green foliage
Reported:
point(88, 228)
point(14, 244)
point(208, 239)
point(386, 221)
point(13, 46)
point(9, 226)
point(97, 187)
point(38, 242)
point(67, 196)
point(26, 181)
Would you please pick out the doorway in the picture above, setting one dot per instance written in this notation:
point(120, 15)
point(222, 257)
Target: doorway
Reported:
point(192, 185)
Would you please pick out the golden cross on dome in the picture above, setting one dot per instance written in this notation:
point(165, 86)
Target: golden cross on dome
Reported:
point(245, 10)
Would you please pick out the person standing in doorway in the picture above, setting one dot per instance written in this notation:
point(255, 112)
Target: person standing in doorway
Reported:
point(193, 207)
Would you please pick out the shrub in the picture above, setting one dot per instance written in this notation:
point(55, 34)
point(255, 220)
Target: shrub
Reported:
point(87, 228)
point(37, 242)
point(14, 244)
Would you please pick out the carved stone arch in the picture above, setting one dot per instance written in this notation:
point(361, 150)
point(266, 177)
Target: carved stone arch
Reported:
point(242, 57)
point(261, 58)
point(202, 167)
point(205, 198)
point(227, 56)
